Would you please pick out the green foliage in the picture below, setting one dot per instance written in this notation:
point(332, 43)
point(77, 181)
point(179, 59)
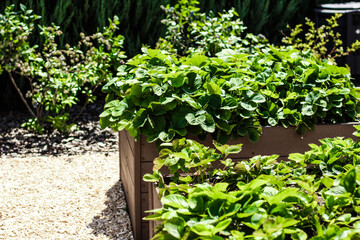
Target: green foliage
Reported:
point(57, 77)
point(190, 31)
point(260, 198)
point(161, 96)
point(139, 20)
point(323, 42)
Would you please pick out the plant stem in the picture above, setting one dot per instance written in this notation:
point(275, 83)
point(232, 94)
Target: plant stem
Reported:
point(21, 95)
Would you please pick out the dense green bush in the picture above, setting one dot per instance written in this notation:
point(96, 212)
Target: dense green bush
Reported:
point(259, 198)
point(160, 96)
point(189, 31)
point(57, 77)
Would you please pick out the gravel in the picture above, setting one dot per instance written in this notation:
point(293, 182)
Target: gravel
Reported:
point(61, 187)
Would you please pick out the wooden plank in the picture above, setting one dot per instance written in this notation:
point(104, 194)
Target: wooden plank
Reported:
point(119, 146)
point(128, 170)
point(130, 141)
point(148, 150)
point(144, 204)
point(283, 141)
point(145, 230)
point(136, 223)
point(154, 203)
point(127, 158)
point(146, 167)
point(129, 190)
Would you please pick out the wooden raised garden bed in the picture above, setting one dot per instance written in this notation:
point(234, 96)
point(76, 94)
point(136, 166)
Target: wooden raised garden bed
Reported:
point(136, 159)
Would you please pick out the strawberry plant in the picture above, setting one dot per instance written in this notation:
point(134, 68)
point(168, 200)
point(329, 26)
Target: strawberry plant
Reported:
point(260, 198)
point(163, 96)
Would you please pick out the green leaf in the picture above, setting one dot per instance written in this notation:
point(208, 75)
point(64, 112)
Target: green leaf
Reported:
point(23, 7)
point(233, 149)
point(175, 201)
point(195, 120)
point(118, 110)
point(237, 235)
point(336, 191)
point(197, 60)
point(288, 192)
point(175, 227)
point(344, 218)
point(250, 106)
point(178, 117)
point(221, 187)
point(349, 181)
point(196, 203)
point(258, 98)
point(308, 110)
point(140, 118)
point(209, 124)
point(215, 208)
point(201, 229)
point(106, 113)
point(221, 226)
point(105, 122)
point(297, 157)
point(229, 103)
point(167, 136)
point(272, 121)
point(254, 134)
point(178, 81)
point(151, 177)
point(213, 88)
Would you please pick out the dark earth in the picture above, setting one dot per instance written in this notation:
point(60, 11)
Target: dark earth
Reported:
point(16, 141)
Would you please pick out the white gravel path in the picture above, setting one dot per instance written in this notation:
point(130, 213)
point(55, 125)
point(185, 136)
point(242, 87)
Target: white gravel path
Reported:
point(67, 197)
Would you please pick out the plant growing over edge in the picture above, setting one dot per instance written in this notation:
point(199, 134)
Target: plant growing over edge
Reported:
point(162, 96)
point(323, 41)
point(57, 77)
point(282, 200)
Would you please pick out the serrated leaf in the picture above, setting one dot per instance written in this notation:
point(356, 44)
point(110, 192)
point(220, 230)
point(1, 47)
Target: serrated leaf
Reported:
point(213, 88)
point(250, 106)
point(209, 124)
point(195, 120)
point(175, 201)
point(175, 227)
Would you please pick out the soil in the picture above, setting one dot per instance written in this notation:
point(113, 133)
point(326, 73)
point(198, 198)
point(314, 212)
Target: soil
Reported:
point(16, 141)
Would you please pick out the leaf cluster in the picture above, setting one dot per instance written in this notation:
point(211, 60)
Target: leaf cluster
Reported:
point(162, 96)
point(262, 198)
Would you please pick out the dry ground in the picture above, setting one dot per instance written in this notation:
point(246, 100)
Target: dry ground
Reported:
point(65, 197)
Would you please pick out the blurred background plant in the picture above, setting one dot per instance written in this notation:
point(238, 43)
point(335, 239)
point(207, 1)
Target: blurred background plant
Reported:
point(324, 42)
point(190, 31)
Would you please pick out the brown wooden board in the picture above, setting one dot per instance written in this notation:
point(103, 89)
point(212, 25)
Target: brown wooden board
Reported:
point(148, 150)
point(283, 141)
point(145, 231)
point(128, 163)
point(146, 167)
